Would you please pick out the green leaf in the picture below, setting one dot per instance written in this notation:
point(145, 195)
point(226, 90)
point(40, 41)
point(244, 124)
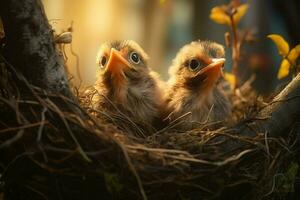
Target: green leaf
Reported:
point(113, 183)
point(285, 183)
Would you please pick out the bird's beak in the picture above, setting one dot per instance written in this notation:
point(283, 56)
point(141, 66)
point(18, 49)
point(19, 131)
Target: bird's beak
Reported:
point(213, 71)
point(117, 64)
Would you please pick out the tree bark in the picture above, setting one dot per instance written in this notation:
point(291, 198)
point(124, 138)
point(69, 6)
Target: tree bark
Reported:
point(277, 118)
point(30, 47)
point(282, 112)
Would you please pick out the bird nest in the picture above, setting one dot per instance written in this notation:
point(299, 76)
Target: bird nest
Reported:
point(51, 148)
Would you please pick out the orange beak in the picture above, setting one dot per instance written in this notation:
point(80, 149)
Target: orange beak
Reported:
point(213, 70)
point(116, 65)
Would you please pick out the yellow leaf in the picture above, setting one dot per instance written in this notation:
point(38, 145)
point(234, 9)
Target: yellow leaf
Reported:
point(230, 78)
point(282, 45)
point(241, 11)
point(284, 69)
point(162, 1)
point(294, 54)
point(218, 14)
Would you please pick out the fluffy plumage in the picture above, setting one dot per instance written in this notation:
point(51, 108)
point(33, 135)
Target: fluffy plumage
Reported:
point(194, 95)
point(129, 92)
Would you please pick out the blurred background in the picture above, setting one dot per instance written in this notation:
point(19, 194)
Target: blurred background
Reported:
point(161, 27)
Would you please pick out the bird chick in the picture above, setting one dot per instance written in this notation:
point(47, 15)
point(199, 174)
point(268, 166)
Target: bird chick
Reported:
point(129, 93)
point(194, 95)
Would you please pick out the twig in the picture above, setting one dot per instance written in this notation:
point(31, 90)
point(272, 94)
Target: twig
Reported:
point(235, 47)
point(132, 168)
point(70, 131)
point(11, 129)
point(18, 136)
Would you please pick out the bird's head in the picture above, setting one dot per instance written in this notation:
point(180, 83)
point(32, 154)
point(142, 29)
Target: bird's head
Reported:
point(121, 62)
point(198, 65)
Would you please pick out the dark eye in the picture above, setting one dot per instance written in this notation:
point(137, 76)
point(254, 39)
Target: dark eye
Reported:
point(194, 64)
point(135, 58)
point(103, 61)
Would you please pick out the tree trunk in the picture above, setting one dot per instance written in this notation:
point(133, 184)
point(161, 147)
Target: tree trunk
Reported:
point(30, 47)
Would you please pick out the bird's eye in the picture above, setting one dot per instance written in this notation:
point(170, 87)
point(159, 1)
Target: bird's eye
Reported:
point(103, 61)
point(194, 64)
point(135, 58)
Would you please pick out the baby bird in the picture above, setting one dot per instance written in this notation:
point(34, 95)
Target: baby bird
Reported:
point(194, 95)
point(129, 93)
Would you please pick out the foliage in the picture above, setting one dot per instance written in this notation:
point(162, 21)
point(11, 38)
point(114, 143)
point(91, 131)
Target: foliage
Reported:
point(284, 182)
point(230, 78)
point(289, 57)
point(112, 182)
point(231, 15)
point(221, 14)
